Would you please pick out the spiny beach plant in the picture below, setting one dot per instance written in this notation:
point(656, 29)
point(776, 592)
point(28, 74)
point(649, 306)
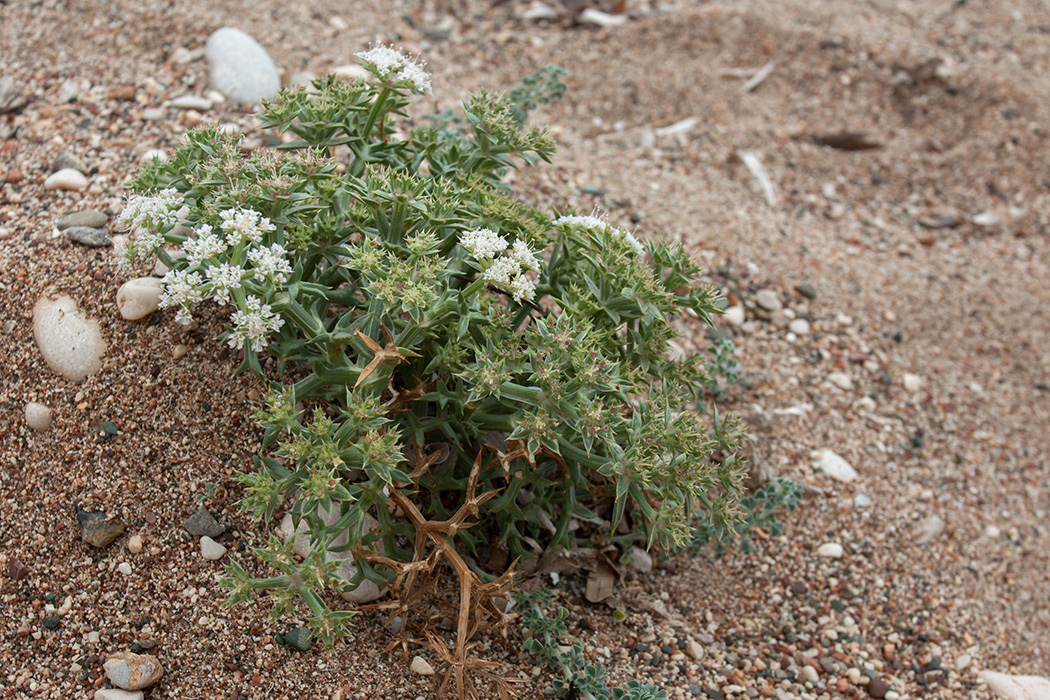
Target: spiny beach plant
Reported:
point(459, 381)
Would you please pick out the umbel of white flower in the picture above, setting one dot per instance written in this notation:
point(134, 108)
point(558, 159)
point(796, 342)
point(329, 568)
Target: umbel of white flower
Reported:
point(505, 269)
point(593, 222)
point(390, 64)
point(253, 324)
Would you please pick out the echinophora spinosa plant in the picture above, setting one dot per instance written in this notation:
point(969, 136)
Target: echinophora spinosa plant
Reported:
point(457, 373)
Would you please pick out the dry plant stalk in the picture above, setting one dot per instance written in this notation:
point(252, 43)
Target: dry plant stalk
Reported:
point(478, 610)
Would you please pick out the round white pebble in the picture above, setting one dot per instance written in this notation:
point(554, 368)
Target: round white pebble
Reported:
point(38, 416)
point(124, 568)
point(66, 179)
point(139, 298)
point(832, 550)
point(212, 550)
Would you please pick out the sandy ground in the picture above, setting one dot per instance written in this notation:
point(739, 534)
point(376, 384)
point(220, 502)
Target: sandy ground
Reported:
point(956, 94)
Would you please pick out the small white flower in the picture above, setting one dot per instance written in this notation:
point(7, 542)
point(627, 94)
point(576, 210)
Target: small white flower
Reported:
point(244, 224)
point(271, 263)
point(183, 290)
point(253, 324)
point(593, 222)
point(585, 221)
point(393, 65)
point(502, 271)
point(483, 243)
point(151, 212)
point(523, 256)
point(224, 279)
point(522, 288)
point(205, 246)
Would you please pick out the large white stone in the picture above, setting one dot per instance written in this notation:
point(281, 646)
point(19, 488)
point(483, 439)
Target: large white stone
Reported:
point(70, 342)
point(239, 67)
point(734, 315)
point(38, 416)
point(139, 298)
point(1016, 687)
point(368, 590)
point(66, 179)
point(834, 466)
point(118, 694)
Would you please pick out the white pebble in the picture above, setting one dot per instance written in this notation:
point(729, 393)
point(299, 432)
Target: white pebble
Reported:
point(834, 466)
point(841, 380)
point(66, 179)
point(139, 298)
point(200, 104)
point(799, 326)
point(912, 382)
point(832, 550)
point(734, 315)
point(124, 568)
point(179, 351)
point(154, 154)
point(38, 416)
point(422, 666)
point(70, 342)
point(135, 544)
point(810, 674)
point(212, 550)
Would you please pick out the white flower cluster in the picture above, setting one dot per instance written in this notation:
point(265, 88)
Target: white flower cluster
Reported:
point(397, 67)
point(253, 324)
point(205, 246)
point(182, 290)
point(593, 222)
point(147, 216)
point(271, 263)
point(506, 270)
point(244, 224)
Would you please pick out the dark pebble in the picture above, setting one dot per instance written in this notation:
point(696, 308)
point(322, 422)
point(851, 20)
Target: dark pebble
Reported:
point(300, 638)
point(695, 689)
point(98, 530)
point(203, 523)
point(713, 694)
point(837, 605)
point(52, 621)
point(17, 570)
point(806, 290)
point(877, 688)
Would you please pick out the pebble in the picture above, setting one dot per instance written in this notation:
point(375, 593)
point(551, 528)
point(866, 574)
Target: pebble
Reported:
point(38, 416)
point(1016, 687)
point(11, 97)
point(98, 530)
point(799, 326)
point(135, 544)
point(199, 104)
point(912, 382)
point(66, 179)
point(831, 550)
point(367, 591)
point(734, 315)
point(877, 688)
point(861, 501)
point(139, 297)
point(133, 671)
point(924, 531)
point(963, 662)
point(17, 570)
point(834, 466)
point(810, 674)
point(179, 351)
point(67, 161)
point(768, 300)
point(422, 666)
point(601, 19)
point(124, 568)
point(239, 67)
point(118, 694)
point(351, 71)
point(841, 380)
point(212, 550)
point(51, 622)
point(300, 638)
point(85, 235)
point(202, 523)
point(641, 560)
point(91, 219)
point(70, 342)
point(693, 648)
point(807, 290)
point(154, 154)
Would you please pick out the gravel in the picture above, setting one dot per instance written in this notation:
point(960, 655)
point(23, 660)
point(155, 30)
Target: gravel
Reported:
point(960, 307)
